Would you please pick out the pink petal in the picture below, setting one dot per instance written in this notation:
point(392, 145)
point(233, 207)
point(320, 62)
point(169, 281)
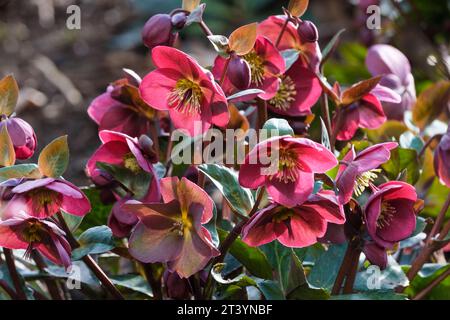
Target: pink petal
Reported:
point(292, 193)
point(156, 87)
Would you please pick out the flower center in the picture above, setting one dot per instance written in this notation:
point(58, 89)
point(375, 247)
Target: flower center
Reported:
point(130, 162)
point(282, 216)
point(45, 199)
point(256, 64)
point(186, 97)
point(181, 226)
point(285, 94)
point(364, 179)
point(386, 214)
point(288, 166)
point(34, 231)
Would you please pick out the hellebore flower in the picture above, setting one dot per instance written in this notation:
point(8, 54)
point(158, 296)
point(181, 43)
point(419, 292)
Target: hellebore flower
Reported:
point(302, 38)
point(357, 171)
point(299, 90)
point(182, 86)
point(157, 31)
point(121, 222)
point(121, 109)
point(22, 136)
point(176, 287)
point(44, 197)
point(289, 174)
point(135, 155)
point(383, 59)
point(172, 232)
point(266, 65)
point(389, 213)
point(30, 233)
point(300, 226)
point(442, 160)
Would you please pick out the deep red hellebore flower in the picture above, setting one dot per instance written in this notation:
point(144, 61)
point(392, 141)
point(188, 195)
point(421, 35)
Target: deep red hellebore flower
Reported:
point(299, 226)
point(189, 92)
point(266, 66)
point(309, 50)
point(172, 232)
point(122, 150)
point(158, 31)
point(22, 136)
point(442, 160)
point(290, 179)
point(357, 171)
point(28, 232)
point(389, 213)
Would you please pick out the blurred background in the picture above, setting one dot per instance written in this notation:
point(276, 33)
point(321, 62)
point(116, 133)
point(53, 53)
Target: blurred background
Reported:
point(60, 71)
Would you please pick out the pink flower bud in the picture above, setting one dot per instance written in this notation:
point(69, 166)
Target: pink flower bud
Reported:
point(308, 31)
point(239, 72)
point(158, 31)
point(22, 136)
point(179, 20)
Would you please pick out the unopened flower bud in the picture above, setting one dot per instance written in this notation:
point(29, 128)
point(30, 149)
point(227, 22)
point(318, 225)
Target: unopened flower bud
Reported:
point(308, 31)
point(158, 31)
point(22, 136)
point(179, 20)
point(239, 72)
point(146, 145)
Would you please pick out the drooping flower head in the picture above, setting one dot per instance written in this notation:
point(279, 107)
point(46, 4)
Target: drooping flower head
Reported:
point(299, 226)
point(266, 65)
point(23, 231)
point(44, 197)
point(357, 171)
point(189, 92)
point(121, 109)
point(22, 136)
point(288, 168)
point(172, 232)
point(389, 213)
point(133, 154)
point(303, 42)
point(298, 91)
point(383, 59)
point(442, 160)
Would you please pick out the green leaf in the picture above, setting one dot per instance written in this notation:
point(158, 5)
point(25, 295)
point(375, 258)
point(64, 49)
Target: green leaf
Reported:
point(196, 15)
point(94, 241)
point(281, 126)
point(331, 47)
point(270, 289)
point(220, 44)
point(244, 93)
point(371, 295)
point(325, 135)
point(403, 160)
point(28, 170)
point(326, 267)
point(251, 258)
point(7, 153)
point(133, 282)
point(428, 273)
point(225, 179)
point(138, 183)
point(9, 94)
point(100, 211)
point(387, 279)
point(410, 141)
point(241, 280)
point(290, 56)
point(54, 158)
point(211, 226)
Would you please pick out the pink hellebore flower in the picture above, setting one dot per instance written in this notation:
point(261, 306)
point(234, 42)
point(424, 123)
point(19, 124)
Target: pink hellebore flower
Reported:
point(172, 232)
point(44, 197)
point(389, 213)
point(383, 59)
point(288, 174)
point(122, 150)
point(266, 66)
point(357, 171)
point(297, 227)
point(442, 160)
point(182, 86)
point(310, 54)
point(28, 232)
point(299, 90)
point(22, 136)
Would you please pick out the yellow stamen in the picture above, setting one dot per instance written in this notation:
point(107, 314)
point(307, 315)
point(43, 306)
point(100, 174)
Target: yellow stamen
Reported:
point(282, 216)
point(186, 97)
point(386, 214)
point(130, 162)
point(285, 95)
point(288, 166)
point(256, 64)
point(364, 179)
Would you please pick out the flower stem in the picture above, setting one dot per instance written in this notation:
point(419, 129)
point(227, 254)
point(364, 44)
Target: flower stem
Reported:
point(9, 258)
point(155, 284)
point(205, 28)
point(283, 29)
point(224, 72)
point(326, 115)
point(262, 112)
point(429, 247)
point(427, 144)
point(431, 285)
point(8, 290)
point(353, 269)
point(342, 273)
point(90, 262)
point(51, 284)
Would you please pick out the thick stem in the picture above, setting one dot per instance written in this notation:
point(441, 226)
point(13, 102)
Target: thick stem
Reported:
point(154, 283)
point(262, 113)
point(8, 290)
point(205, 29)
point(353, 269)
point(422, 294)
point(90, 262)
point(342, 273)
point(9, 258)
point(51, 284)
